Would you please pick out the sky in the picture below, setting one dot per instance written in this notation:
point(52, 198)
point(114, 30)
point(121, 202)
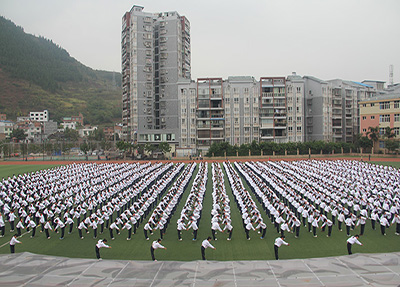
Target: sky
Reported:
point(340, 39)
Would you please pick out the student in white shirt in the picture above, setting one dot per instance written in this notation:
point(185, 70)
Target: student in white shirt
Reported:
point(204, 245)
point(278, 242)
point(155, 245)
point(101, 244)
point(351, 241)
point(13, 241)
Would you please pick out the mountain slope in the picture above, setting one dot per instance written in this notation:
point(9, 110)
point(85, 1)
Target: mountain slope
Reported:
point(36, 74)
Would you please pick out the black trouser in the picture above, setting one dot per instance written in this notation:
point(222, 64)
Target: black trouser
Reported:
point(3, 228)
point(12, 225)
point(348, 229)
point(12, 248)
point(340, 225)
point(62, 232)
point(111, 233)
point(297, 231)
point(362, 229)
point(71, 226)
point(276, 252)
point(47, 233)
point(213, 233)
point(179, 234)
point(97, 252)
point(203, 254)
point(264, 230)
point(314, 230)
point(129, 233)
point(349, 248)
point(383, 229)
point(195, 234)
point(80, 233)
point(18, 231)
point(329, 230)
point(152, 253)
point(230, 233)
point(247, 233)
point(373, 224)
point(397, 227)
point(33, 231)
point(145, 233)
point(95, 233)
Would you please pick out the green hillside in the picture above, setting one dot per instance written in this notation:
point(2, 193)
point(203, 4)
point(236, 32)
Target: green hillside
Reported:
point(36, 74)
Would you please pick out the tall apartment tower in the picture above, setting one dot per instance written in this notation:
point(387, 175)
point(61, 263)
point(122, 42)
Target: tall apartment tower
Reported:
point(321, 122)
point(155, 50)
point(295, 108)
point(241, 94)
point(273, 109)
point(210, 112)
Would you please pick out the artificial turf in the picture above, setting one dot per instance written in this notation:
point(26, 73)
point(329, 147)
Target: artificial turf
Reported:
point(306, 246)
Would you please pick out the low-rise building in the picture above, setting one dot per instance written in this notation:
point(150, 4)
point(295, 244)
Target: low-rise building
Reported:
point(39, 116)
point(6, 128)
point(381, 111)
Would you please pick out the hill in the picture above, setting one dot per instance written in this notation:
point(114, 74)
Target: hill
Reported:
point(36, 74)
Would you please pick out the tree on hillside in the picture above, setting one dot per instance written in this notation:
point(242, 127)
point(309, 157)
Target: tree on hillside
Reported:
point(18, 134)
point(71, 135)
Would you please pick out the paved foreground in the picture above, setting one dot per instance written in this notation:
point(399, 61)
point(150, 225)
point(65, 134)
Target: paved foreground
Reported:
point(27, 269)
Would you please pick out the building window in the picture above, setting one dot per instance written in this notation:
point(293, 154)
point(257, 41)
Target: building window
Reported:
point(397, 117)
point(372, 104)
point(364, 130)
point(364, 105)
point(364, 117)
point(372, 117)
point(384, 105)
point(396, 104)
point(298, 129)
point(384, 118)
point(396, 131)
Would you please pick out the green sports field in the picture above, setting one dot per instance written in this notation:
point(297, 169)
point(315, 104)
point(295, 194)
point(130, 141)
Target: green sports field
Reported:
point(306, 246)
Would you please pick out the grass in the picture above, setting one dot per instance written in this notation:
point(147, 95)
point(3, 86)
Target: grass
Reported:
point(10, 170)
point(237, 249)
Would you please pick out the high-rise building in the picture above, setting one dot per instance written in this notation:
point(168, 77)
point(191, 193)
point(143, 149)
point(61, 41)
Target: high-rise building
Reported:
point(273, 109)
point(318, 110)
point(295, 108)
point(210, 112)
point(155, 51)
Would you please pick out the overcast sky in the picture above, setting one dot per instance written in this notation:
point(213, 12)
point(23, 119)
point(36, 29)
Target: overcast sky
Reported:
point(346, 39)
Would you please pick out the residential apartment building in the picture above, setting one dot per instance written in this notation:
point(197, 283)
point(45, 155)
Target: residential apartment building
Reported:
point(73, 119)
point(187, 114)
point(6, 128)
point(382, 111)
point(318, 110)
point(39, 116)
point(241, 104)
point(210, 112)
point(295, 102)
point(272, 109)
point(155, 56)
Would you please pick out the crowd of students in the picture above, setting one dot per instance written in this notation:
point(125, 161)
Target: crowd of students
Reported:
point(313, 194)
